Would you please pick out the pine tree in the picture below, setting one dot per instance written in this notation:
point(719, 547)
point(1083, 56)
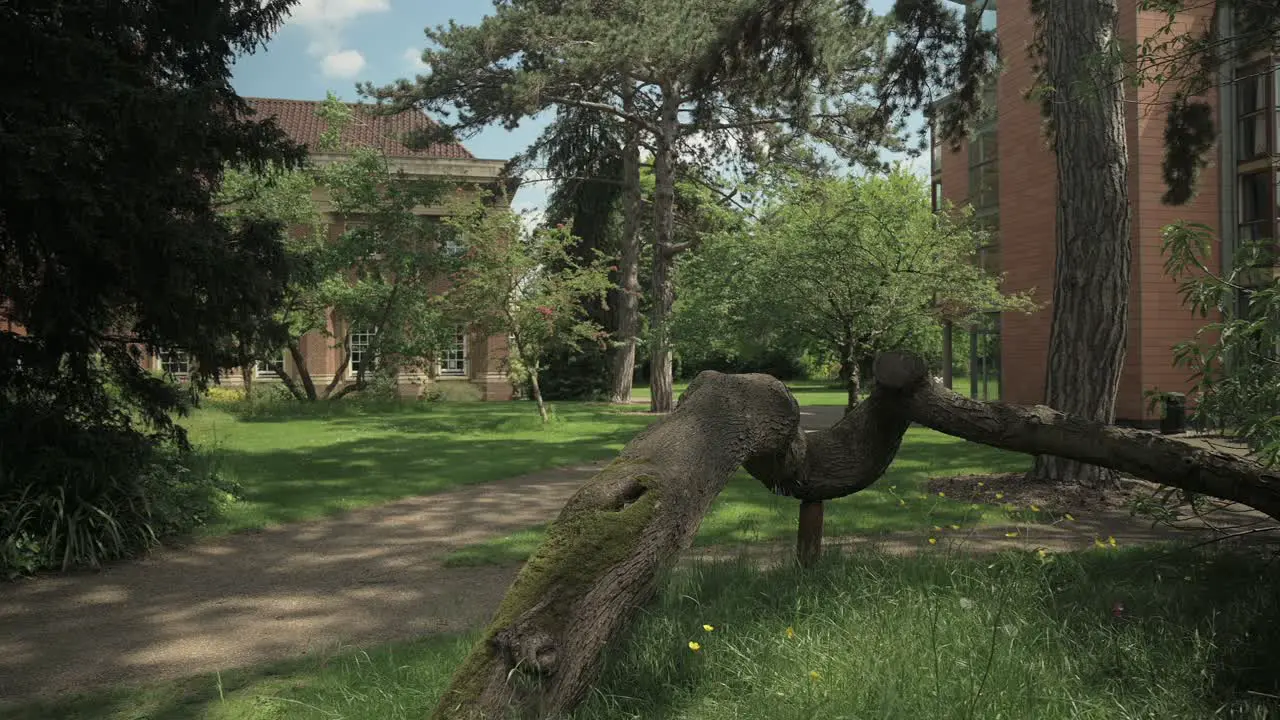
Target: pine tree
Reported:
point(645, 63)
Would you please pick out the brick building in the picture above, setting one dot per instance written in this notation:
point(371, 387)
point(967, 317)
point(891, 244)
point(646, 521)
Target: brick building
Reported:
point(472, 360)
point(1006, 172)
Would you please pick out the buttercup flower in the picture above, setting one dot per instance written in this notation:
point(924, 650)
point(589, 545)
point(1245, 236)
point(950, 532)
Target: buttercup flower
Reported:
point(708, 628)
point(1035, 508)
point(694, 646)
point(815, 675)
point(1011, 534)
point(955, 527)
point(999, 496)
point(933, 541)
point(791, 633)
point(1070, 517)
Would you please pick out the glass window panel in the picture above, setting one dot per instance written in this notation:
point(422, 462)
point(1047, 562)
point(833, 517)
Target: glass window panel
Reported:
point(453, 361)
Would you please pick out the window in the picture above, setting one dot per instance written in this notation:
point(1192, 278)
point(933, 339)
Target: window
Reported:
point(264, 369)
point(936, 192)
point(360, 345)
point(1253, 111)
point(1257, 207)
point(935, 149)
point(453, 361)
point(984, 170)
point(984, 358)
point(175, 363)
point(452, 244)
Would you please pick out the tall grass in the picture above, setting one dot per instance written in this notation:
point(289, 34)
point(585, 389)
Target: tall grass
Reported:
point(1011, 636)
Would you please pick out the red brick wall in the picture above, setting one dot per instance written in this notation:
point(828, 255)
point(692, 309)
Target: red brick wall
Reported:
point(1028, 187)
point(1163, 321)
point(1027, 215)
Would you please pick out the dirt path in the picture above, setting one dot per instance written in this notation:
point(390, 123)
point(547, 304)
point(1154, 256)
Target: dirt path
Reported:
point(362, 578)
point(368, 576)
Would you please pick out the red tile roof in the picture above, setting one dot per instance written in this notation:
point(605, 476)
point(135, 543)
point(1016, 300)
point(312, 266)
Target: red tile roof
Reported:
point(299, 120)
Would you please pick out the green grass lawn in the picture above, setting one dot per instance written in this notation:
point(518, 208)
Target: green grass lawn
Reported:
point(746, 512)
point(936, 636)
point(807, 392)
point(304, 462)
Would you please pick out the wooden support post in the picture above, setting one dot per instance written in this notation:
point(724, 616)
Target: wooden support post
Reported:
point(809, 534)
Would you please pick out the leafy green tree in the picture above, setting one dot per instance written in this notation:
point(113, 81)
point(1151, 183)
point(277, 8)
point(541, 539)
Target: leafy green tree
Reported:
point(531, 289)
point(848, 267)
point(1234, 359)
point(533, 54)
point(118, 121)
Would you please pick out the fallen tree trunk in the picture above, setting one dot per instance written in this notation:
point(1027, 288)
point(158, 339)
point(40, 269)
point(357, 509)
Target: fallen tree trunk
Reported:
point(603, 555)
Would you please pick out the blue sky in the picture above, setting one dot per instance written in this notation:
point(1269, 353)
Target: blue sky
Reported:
point(330, 45)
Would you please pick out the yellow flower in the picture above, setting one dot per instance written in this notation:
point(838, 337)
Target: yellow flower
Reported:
point(999, 496)
point(1042, 553)
point(791, 633)
point(942, 494)
point(981, 484)
point(903, 503)
point(1098, 543)
point(1011, 534)
point(955, 527)
point(708, 628)
point(1070, 517)
point(933, 541)
point(1111, 541)
point(694, 646)
point(814, 675)
point(937, 527)
point(1035, 508)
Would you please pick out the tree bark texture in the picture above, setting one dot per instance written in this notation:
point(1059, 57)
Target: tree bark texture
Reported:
point(627, 307)
point(1094, 256)
point(602, 557)
point(661, 380)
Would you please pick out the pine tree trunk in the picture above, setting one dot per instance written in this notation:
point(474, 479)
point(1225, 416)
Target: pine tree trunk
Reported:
point(1094, 257)
point(623, 361)
point(661, 380)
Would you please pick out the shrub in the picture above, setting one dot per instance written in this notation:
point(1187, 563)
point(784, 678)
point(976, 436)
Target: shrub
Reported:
point(81, 491)
point(574, 374)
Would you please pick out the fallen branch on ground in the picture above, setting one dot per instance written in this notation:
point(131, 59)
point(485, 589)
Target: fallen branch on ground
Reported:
point(602, 557)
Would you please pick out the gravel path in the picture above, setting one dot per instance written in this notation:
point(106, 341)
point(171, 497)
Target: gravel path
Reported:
point(368, 576)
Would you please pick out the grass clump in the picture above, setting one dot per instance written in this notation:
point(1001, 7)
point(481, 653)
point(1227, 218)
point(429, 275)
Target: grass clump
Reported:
point(1115, 635)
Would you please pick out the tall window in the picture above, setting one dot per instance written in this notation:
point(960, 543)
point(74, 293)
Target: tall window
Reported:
point(453, 361)
point(360, 345)
point(984, 358)
point(984, 170)
point(984, 196)
point(1257, 205)
point(175, 363)
point(1254, 111)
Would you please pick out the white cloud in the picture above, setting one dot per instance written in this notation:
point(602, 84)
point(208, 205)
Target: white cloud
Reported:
point(343, 64)
point(325, 21)
point(413, 58)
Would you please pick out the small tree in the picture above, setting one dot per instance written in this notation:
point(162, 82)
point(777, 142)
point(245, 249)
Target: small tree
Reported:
point(848, 267)
point(1234, 360)
point(529, 287)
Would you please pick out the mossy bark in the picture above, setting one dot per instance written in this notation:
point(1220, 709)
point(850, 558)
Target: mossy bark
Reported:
point(603, 555)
